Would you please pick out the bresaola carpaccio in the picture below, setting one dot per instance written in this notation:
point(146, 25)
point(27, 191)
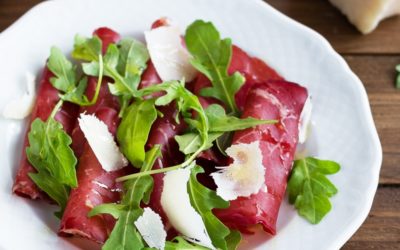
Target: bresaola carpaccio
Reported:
point(284, 102)
point(266, 114)
point(47, 98)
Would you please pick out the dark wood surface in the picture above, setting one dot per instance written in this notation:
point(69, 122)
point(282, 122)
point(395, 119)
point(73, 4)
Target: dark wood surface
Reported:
point(373, 58)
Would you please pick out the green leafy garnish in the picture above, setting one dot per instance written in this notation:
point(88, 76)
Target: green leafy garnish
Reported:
point(124, 63)
point(87, 49)
point(204, 200)
point(191, 142)
point(66, 79)
point(212, 56)
point(50, 154)
point(186, 103)
point(309, 189)
point(134, 130)
point(179, 243)
point(219, 123)
point(398, 76)
point(125, 235)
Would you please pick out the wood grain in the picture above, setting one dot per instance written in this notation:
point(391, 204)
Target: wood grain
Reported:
point(382, 228)
point(322, 17)
point(372, 58)
point(378, 75)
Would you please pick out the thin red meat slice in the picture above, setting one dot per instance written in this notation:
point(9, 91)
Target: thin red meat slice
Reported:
point(47, 97)
point(95, 185)
point(252, 68)
point(284, 102)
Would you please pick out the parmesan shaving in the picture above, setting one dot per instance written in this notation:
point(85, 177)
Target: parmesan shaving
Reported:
point(102, 143)
point(366, 14)
point(175, 202)
point(21, 107)
point(150, 226)
point(245, 176)
point(169, 56)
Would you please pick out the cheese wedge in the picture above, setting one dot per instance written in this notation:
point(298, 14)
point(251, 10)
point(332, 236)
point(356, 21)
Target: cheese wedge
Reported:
point(366, 14)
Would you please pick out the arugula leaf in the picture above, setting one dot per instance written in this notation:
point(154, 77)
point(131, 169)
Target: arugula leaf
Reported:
point(220, 122)
point(204, 200)
point(310, 190)
point(179, 243)
point(124, 63)
point(124, 235)
point(63, 69)
point(87, 49)
point(212, 57)
point(66, 79)
point(133, 59)
point(398, 76)
point(54, 189)
point(186, 102)
point(134, 130)
point(191, 142)
point(50, 154)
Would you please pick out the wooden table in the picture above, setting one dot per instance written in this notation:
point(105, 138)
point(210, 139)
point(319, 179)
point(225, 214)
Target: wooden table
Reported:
point(373, 58)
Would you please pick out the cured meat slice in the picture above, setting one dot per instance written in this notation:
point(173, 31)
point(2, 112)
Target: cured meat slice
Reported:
point(252, 68)
point(284, 102)
point(95, 185)
point(47, 98)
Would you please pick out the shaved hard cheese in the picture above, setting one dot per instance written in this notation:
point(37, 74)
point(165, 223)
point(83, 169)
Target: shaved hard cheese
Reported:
point(366, 14)
point(245, 176)
point(169, 56)
point(150, 226)
point(175, 202)
point(102, 143)
point(21, 107)
point(305, 121)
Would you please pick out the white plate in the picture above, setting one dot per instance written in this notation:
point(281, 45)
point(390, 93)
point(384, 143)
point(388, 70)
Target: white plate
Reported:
point(344, 129)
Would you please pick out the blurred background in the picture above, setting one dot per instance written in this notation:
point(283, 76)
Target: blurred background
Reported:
point(373, 57)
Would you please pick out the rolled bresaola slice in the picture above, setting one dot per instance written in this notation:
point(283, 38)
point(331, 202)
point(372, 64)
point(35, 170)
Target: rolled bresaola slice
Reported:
point(47, 97)
point(95, 185)
point(284, 102)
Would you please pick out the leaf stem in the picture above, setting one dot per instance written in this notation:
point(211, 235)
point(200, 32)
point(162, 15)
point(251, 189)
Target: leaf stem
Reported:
point(99, 81)
point(56, 108)
point(163, 170)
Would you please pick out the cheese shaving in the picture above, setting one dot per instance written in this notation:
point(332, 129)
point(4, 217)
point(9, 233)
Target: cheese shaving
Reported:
point(176, 204)
point(366, 14)
point(169, 56)
point(245, 176)
point(21, 107)
point(150, 226)
point(102, 143)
